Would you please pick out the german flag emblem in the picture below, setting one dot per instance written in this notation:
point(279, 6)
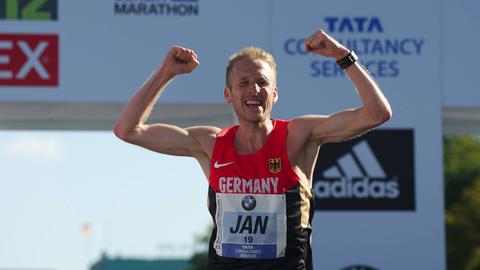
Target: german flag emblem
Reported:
point(275, 165)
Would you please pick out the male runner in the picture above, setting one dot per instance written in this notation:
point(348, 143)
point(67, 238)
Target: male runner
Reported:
point(260, 171)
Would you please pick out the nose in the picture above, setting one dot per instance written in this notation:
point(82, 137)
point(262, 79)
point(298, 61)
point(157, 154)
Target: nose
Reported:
point(254, 89)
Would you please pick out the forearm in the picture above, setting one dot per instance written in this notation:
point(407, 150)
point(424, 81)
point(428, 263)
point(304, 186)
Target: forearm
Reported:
point(140, 106)
point(374, 102)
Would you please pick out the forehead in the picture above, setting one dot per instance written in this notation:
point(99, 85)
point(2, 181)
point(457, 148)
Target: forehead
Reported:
point(251, 67)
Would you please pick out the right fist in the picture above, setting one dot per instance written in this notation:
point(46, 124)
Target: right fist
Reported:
point(323, 44)
point(180, 60)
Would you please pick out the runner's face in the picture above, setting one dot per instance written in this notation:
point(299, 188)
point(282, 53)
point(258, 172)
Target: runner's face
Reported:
point(252, 90)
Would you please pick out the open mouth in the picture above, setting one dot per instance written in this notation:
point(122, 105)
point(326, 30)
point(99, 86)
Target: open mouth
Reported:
point(253, 103)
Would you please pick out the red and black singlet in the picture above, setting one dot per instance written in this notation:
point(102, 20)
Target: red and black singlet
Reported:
point(261, 210)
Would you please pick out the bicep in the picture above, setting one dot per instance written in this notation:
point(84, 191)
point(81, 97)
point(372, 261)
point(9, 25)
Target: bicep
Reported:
point(169, 139)
point(339, 126)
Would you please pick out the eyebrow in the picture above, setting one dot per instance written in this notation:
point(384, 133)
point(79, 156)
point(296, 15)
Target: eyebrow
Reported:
point(262, 76)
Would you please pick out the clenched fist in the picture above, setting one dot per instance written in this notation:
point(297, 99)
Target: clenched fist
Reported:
point(180, 60)
point(325, 45)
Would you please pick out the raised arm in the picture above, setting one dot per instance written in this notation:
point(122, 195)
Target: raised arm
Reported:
point(163, 138)
point(351, 122)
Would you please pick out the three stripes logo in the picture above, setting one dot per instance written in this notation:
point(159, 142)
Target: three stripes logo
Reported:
point(359, 176)
point(374, 172)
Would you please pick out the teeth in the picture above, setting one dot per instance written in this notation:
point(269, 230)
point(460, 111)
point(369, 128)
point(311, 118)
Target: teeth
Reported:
point(253, 102)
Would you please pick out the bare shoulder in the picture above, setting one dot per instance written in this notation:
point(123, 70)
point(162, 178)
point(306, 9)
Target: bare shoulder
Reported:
point(205, 135)
point(201, 131)
point(299, 137)
point(301, 128)
point(302, 148)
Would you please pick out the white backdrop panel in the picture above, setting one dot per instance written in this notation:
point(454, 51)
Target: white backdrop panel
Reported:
point(105, 57)
point(410, 78)
point(460, 22)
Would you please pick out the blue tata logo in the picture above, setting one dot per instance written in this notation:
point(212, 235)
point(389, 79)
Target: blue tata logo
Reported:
point(354, 24)
point(359, 267)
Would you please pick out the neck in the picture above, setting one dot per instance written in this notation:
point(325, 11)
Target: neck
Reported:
point(251, 136)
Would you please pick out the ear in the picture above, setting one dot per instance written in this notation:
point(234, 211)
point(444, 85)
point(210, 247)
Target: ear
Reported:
point(227, 94)
point(275, 95)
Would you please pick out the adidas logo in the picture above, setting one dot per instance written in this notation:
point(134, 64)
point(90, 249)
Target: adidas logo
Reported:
point(356, 175)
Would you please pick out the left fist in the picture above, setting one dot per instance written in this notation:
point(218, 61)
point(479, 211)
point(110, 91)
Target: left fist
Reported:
point(325, 45)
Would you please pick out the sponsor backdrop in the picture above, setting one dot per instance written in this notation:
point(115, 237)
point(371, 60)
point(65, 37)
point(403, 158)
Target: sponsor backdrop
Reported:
point(363, 174)
point(106, 49)
point(379, 198)
point(379, 201)
point(459, 24)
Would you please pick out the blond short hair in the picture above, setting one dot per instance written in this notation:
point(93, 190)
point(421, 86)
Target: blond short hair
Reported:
point(253, 53)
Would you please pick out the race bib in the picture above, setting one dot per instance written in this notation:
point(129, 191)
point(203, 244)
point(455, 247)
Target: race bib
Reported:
point(251, 226)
